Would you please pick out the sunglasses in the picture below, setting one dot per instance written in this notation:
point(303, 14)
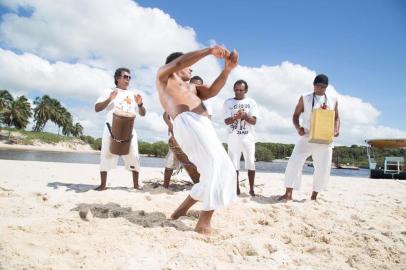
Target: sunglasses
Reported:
point(127, 77)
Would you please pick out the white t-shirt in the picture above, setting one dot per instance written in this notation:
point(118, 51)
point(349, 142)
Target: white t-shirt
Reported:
point(240, 127)
point(125, 100)
point(330, 102)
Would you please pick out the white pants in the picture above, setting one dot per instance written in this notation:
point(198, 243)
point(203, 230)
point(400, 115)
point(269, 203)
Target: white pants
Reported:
point(108, 160)
point(245, 145)
point(198, 139)
point(321, 154)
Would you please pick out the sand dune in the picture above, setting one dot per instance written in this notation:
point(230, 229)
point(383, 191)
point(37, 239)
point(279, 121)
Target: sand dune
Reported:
point(52, 219)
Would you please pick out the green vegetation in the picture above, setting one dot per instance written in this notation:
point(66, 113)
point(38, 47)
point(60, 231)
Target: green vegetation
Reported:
point(16, 113)
point(156, 149)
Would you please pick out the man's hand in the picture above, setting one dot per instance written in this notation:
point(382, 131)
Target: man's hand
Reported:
point(113, 95)
point(219, 52)
point(138, 99)
point(301, 131)
point(231, 61)
point(336, 133)
point(240, 114)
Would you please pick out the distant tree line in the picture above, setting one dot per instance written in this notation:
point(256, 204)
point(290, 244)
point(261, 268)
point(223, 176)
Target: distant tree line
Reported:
point(16, 113)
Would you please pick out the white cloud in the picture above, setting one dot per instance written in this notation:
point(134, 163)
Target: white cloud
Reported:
point(29, 72)
point(71, 48)
point(96, 32)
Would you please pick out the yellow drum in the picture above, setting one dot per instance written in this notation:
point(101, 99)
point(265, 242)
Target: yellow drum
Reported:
point(322, 126)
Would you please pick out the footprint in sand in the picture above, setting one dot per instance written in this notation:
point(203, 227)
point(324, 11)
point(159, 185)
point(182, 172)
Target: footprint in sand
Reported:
point(246, 249)
point(193, 214)
point(263, 222)
point(357, 218)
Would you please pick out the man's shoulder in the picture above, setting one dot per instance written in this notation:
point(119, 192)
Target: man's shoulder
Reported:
point(229, 101)
point(307, 94)
point(133, 91)
point(251, 100)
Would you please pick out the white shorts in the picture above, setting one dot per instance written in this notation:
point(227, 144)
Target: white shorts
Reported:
point(171, 161)
point(246, 146)
point(108, 160)
point(321, 154)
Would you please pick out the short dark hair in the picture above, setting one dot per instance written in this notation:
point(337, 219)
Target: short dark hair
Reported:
point(241, 82)
point(173, 56)
point(118, 72)
point(321, 79)
point(196, 78)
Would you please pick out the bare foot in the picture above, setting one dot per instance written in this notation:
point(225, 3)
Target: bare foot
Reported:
point(203, 224)
point(286, 197)
point(183, 208)
point(252, 193)
point(204, 229)
point(314, 196)
point(178, 213)
point(101, 188)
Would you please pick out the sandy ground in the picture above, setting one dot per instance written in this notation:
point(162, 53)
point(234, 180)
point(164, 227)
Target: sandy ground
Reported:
point(52, 219)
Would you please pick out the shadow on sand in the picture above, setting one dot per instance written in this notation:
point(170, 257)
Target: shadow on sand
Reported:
point(139, 217)
point(271, 200)
point(79, 188)
point(155, 186)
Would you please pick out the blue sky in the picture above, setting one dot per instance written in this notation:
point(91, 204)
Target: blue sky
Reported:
point(361, 45)
point(69, 50)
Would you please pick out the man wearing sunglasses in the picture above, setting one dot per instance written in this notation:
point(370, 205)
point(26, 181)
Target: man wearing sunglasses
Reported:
point(195, 133)
point(119, 98)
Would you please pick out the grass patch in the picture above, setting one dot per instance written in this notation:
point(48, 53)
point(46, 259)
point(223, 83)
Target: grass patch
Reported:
point(28, 137)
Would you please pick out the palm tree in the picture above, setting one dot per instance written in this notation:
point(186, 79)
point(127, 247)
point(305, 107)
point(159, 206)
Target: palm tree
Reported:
point(77, 130)
point(67, 123)
point(42, 112)
point(18, 113)
point(5, 103)
point(58, 115)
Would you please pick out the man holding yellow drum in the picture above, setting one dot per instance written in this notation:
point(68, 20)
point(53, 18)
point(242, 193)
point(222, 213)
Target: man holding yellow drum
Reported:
point(321, 122)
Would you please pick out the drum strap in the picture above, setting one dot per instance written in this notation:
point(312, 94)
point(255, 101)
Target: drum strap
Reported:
point(115, 139)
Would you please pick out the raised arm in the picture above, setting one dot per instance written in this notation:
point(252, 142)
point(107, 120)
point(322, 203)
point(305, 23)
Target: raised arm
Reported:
point(102, 105)
point(188, 60)
point(230, 63)
point(298, 110)
point(141, 109)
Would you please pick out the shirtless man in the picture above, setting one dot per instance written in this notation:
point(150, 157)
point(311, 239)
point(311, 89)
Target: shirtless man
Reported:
point(173, 163)
point(195, 133)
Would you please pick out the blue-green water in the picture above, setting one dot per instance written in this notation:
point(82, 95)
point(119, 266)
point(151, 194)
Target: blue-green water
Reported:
point(94, 158)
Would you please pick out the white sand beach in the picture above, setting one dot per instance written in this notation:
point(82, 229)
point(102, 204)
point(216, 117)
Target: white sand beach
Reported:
point(52, 219)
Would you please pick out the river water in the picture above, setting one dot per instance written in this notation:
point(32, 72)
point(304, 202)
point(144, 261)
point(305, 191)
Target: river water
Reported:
point(94, 158)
